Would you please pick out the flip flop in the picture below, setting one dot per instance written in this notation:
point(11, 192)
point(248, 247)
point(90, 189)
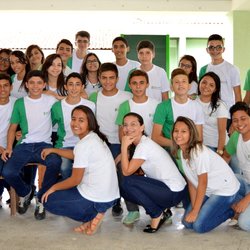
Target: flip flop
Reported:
point(95, 224)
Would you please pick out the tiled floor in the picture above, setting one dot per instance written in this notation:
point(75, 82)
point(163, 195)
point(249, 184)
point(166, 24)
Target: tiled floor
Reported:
point(24, 232)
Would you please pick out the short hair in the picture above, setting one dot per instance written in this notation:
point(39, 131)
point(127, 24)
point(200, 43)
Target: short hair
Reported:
point(178, 71)
point(138, 72)
point(108, 67)
point(30, 48)
point(215, 37)
point(74, 75)
point(35, 73)
point(5, 77)
point(120, 38)
point(145, 44)
point(239, 106)
point(66, 41)
point(83, 33)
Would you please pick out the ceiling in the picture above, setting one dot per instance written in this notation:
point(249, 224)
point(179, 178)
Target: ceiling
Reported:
point(127, 5)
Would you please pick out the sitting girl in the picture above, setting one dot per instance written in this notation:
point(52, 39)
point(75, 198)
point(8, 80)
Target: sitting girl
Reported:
point(212, 185)
point(93, 187)
point(162, 187)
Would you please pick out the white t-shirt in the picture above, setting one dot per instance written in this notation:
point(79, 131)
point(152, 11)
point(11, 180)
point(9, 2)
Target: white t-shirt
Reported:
point(99, 181)
point(106, 113)
point(124, 71)
point(210, 128)
point(158, 82)
point(230, 77)
point(221, 179)
point(5, 114)
point(190, 109)
point(243, 155)
point(146, 110)
point(194, 88)
point(67, 71)
point(38, 115)
point(17, 92)
point(70, 139)
point(158, 164)
point(76, 62)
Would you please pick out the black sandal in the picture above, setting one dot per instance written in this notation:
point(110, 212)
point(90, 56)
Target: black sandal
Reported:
point(150, 229)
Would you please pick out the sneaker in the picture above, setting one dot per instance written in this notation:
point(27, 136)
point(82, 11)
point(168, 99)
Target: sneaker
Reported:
point(233, 222)
point(24, 203)
point(131, 217)
point(168, 214)
point(117, 210)
point(40, 211)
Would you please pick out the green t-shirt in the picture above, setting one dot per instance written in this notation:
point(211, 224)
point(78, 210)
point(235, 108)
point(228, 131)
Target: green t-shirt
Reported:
point(247, 81)
point(124, 109)
point(203, 71)
point(165, 117)
point(231, 146)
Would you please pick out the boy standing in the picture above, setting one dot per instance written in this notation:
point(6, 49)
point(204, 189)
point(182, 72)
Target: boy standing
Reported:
point(158, 81)
point(82, 41)
point(33, 114)
point(180, 105)
point(107, 102)
point(120, 48)
point(6, 106)
point(228, 73)
point(239, 144)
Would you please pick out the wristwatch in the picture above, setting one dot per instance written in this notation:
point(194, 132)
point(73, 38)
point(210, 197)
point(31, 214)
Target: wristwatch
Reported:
point(219, 152)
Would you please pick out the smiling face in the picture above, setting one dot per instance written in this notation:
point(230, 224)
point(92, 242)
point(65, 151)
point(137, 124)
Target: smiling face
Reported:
point(108, 80)
point(74, 87)
point(4, 62)
point(186, 65)
point(92, 64)
point(207, 86)
point(180, 85)
point(241, 122)
point(181, 135)
point(56, 68)
point(120, 49)
point(138, 85)
point(35, 86)
point(215, 49)
point(65, 51)
point(35, 57)
point(79, 123)
point(5, 89)
point(16, 65)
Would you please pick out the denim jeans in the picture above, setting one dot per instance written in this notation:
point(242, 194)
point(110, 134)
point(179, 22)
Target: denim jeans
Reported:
point(154, 195)
point(66, 166)
point(115, 149)
point(244, 217)
point(215, 210)
point(71, 204)
point(31, 153)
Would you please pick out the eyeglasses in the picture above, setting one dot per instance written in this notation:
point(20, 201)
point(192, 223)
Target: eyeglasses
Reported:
point(82, 41)
point(91, 61)
point(217, 48)
point(185, 66)
point(4, 60)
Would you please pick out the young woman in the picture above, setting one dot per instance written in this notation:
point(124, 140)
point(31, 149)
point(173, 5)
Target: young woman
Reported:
point(212, 185)
point(54, 77)
point(5, 62)
point(20, 66)
point(61, 115)
point(189, 65)
point(35, 56)
point(215, 112)
point(90, 72)
point(162, 187)
point(93, 187)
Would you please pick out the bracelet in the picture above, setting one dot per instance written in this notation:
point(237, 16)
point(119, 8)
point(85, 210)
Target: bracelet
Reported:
point(219, 152)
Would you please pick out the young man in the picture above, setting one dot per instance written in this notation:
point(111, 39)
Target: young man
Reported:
point(158, 80)
point(6, 106)
point(107, 102)
point(120, 48)
point(33, 114)
point(239, 145)
point(82, 42)
point(180, 105)
point(228, 73)
point(144, 106)
point(65, 48)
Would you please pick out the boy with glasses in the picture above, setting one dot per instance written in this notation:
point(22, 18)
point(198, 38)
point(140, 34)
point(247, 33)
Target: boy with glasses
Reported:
point(228, 73)
point(82, 41)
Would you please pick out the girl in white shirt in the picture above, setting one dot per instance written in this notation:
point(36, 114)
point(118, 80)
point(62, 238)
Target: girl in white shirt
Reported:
point(93, 187)
point(162, 187)
point(212, 185)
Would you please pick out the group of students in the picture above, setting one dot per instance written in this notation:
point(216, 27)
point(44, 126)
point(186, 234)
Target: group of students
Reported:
point(117, 134)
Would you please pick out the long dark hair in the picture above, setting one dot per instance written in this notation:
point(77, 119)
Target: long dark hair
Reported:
point(194, 142)
point(92, 122)
point(193, 74)
point(216, 95)
point(60, 80)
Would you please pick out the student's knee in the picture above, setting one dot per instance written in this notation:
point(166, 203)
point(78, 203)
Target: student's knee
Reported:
point(53, 160)
point(8, 172)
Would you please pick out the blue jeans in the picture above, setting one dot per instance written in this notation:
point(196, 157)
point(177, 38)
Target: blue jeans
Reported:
point(215, 210)
point(31, 153)
point(244, 217)
point(115, 149)
point(154, 195)
point(71, 204)
point(66, 166)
